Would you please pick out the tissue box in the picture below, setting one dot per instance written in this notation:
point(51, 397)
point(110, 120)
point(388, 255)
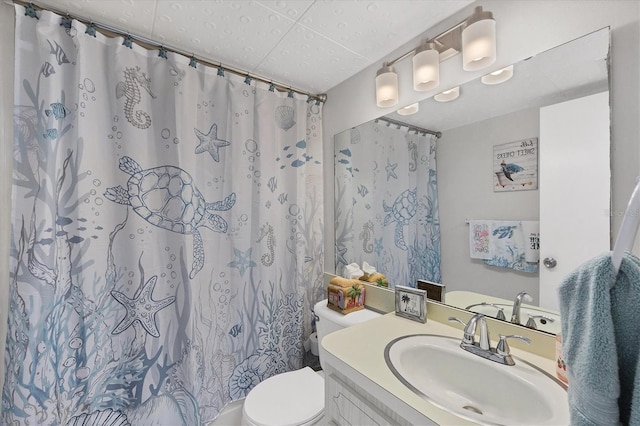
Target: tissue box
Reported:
point(345, 295)
point(377, 279)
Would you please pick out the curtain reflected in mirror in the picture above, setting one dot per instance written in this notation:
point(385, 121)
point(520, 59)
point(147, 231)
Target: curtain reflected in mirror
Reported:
point(386, 202)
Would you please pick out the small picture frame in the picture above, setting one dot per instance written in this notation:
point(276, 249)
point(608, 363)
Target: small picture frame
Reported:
point(411, 303)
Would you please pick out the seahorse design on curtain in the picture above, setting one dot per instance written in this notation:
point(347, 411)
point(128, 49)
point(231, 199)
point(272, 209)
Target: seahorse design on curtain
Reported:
point(366, 235)
point(128, 88)
point(413, 156)
point(267, 232)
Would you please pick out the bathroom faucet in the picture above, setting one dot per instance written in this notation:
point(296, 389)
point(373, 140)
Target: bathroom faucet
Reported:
point(476, 321)
point(500, 354)
point(517, 303)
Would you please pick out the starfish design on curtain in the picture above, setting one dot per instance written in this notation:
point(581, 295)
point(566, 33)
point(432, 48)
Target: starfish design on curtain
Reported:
point(141, 308)
point(391, 170)
point(243, 261)
point(210, 142)
point(340, 252)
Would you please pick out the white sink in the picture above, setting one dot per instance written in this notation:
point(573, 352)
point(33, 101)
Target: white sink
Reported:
point(474, 388)
point(550, 324)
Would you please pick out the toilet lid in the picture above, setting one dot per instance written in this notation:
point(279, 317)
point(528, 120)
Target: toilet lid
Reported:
point(286, 399)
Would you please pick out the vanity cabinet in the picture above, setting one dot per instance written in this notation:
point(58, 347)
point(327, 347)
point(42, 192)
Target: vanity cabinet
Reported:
point(361, 389)
point(352, 399)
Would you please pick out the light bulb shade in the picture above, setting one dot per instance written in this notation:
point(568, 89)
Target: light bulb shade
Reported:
point(479, 41)
point(409, 109)
point(386, 87)
point(448, 95)
point(499, 76)
point(426, 68)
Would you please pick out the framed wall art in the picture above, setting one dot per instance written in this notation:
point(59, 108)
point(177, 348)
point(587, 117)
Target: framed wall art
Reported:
point(515, 166)
point(411, 303)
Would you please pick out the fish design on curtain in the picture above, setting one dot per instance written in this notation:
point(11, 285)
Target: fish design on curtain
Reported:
point(386, 203)
point(166, 242)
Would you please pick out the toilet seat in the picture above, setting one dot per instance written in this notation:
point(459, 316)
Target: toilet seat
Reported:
point(287, 399)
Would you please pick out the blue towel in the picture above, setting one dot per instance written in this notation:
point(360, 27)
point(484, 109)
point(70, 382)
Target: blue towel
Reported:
point(601, 341)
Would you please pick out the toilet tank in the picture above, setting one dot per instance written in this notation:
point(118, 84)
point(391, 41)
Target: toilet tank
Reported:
point(329, 321)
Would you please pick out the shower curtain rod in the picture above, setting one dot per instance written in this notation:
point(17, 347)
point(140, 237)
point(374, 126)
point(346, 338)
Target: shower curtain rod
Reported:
point(409, 127)
point(147, 43)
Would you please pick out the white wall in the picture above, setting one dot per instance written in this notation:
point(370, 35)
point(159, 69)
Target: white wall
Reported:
point(524, 28)
point(465, 191)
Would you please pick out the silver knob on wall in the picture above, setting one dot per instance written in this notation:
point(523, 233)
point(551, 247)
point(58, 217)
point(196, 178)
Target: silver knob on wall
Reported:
point(549, 262)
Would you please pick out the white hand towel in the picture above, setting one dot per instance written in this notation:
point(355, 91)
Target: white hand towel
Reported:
point(531, 230)
point(479, 239)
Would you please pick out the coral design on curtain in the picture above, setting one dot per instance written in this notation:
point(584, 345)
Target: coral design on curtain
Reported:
point(386, 202)
point(167, 232)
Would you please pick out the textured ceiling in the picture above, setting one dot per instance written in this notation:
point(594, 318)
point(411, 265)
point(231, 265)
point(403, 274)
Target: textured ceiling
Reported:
point(310, 45)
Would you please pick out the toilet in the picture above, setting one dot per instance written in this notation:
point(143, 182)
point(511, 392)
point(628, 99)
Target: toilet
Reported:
point(297, 397)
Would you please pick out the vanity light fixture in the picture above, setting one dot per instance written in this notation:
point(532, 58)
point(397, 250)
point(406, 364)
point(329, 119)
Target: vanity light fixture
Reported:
point(426, 67)
point(386, 87)
point(475, 37)
point(448, 95)
point(498, 76)
point(478, 41)
point(409, 109)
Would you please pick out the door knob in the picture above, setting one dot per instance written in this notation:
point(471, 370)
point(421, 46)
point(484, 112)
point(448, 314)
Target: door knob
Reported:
point(549, 262)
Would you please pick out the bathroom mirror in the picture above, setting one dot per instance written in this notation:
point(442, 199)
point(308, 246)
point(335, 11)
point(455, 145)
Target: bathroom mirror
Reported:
point(511, 110)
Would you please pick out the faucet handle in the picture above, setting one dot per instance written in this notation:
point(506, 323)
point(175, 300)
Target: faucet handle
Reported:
point(455, 319)
point(531, 322)
point(503, 346)
point(500, 314)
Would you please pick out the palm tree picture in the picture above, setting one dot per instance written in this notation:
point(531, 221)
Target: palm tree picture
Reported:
point(406, 299)
point(353, 293)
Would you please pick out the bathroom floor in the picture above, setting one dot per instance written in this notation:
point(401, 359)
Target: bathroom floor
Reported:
point(232, 413)
point(230, 416)
point(310, 360)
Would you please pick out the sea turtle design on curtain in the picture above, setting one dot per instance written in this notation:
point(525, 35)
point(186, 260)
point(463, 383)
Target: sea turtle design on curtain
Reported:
point(401, 212)
point(167, 197)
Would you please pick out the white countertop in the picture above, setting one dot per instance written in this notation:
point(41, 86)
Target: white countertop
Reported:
point(362, 346)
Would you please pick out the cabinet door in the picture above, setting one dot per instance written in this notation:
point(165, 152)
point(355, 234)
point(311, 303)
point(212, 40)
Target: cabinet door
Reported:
point(575, 186)
point(344, 406)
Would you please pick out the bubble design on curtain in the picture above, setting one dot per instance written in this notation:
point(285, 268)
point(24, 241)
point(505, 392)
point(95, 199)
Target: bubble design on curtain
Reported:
point(166, 232)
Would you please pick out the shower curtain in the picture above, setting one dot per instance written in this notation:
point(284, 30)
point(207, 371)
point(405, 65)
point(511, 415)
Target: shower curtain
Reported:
point(166, 231)
point(386, 202)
